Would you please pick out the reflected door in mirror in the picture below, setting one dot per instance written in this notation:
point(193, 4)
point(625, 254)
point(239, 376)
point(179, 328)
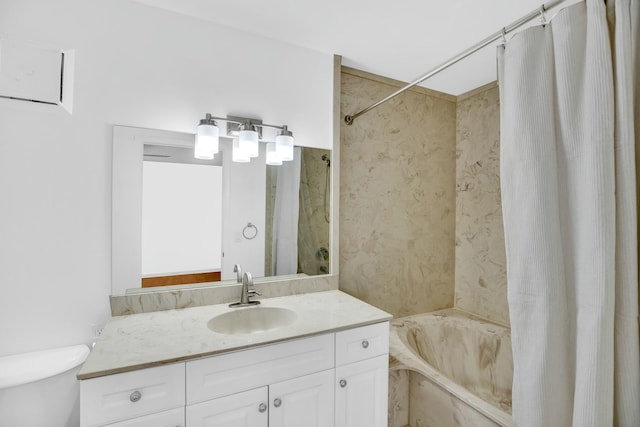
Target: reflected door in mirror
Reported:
point(181, 223)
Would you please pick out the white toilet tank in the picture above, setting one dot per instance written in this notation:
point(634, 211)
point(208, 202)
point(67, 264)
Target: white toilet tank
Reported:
point(40, 389)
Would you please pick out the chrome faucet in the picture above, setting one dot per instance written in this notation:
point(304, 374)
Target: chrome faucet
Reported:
point(238, 270)
point(246, 292)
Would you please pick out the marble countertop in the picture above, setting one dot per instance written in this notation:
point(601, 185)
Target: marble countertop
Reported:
point(138, 341)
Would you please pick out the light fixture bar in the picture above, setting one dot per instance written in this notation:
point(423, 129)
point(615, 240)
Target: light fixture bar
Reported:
point(243, 120)
point(234, 124)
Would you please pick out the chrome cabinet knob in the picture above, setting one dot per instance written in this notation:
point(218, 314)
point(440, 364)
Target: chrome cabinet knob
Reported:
point(343, 383)
point(262, 407)
point(135, 396)
point(277, 403)
point(365, 343)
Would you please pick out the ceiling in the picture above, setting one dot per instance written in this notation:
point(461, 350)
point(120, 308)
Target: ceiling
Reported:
point(402, 40)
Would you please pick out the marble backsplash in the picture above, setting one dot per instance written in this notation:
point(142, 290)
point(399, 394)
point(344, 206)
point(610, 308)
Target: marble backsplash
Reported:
point(480, 263)
point(196, 296)
point(397, 196)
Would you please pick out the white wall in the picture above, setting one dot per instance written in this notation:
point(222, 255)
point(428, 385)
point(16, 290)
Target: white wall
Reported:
point(135, 66)
point(244, 189)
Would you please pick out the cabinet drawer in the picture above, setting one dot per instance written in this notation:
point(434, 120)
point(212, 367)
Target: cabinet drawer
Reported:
point(119, 397)
point(231, 373)
point(171, 418)
point(362, 343)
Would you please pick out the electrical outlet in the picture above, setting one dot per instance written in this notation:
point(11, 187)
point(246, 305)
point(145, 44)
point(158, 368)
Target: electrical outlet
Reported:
point(97, 331)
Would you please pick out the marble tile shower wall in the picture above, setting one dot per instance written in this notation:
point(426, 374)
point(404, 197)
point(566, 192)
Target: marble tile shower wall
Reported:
point(480, 264)
point(420, 217)
point(397, 197)
point(313, 234)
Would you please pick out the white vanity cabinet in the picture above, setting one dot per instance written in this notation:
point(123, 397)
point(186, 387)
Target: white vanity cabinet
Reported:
point(362, 376)
point(287, 382)
point(334, 379)
point(305, 401)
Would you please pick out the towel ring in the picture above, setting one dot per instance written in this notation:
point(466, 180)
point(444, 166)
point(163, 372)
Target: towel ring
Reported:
point(249, 226)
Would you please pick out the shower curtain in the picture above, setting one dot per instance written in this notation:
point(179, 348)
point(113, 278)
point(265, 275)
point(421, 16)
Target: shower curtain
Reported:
point(284, 242)
point(569, 122)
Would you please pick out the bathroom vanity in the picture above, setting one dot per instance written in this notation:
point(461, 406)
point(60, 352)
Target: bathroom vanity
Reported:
point(327, 367)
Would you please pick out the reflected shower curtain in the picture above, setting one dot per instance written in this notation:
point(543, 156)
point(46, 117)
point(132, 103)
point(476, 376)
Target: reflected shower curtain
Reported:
point(569, 122)
point(284, 249)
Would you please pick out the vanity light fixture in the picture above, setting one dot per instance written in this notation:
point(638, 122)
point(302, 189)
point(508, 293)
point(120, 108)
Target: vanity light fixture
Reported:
point(248, 140)
point(284, 144)
point(207, 138)
point(247, 145)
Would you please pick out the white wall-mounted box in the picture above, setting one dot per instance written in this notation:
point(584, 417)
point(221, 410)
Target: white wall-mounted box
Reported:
point(30, 72)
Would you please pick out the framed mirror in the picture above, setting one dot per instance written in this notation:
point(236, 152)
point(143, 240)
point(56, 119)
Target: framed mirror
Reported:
point(178, 220)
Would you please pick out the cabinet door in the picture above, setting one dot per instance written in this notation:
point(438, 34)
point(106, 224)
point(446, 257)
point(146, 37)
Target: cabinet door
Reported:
point(361, 393)
point(246, 409)
point(305, 401)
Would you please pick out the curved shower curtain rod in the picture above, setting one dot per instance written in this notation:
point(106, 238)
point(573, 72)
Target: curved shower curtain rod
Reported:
point(348, 119)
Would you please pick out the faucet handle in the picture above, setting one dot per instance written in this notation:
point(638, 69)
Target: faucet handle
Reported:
point(248, 282)
point(252, 293)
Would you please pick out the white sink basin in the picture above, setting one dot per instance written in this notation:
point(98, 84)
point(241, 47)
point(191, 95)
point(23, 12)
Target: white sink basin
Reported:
point(251, 320)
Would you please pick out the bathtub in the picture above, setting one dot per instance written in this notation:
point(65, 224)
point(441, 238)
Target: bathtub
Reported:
point(449, 369)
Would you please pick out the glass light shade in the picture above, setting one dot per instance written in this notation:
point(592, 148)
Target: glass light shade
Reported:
point(206, 141)
point(284, 147)
point(237, 155)
point(248, 143)
point(272, 154)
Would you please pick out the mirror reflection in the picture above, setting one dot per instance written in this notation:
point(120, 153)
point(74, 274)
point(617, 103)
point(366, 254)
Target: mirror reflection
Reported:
point(201, 217)
point(181, 217)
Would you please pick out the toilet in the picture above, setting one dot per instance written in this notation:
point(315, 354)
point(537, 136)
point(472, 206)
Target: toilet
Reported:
point(40, 389)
